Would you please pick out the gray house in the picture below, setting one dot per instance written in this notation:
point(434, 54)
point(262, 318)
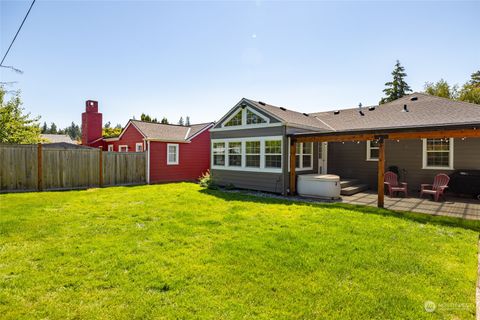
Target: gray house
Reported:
point(250, 144)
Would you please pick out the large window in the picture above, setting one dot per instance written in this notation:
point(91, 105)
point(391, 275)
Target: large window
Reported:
point(172, 153)
point(253, 118)
point(235, 154)
point(438, 153)
point(219, 154)
point(257, 154)
point(304, 155)
point(235, 121)
point(273, 154)
point(372, 150)
point(252, 154)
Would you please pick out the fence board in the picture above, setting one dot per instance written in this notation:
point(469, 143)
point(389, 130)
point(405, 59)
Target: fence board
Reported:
point(67, 168)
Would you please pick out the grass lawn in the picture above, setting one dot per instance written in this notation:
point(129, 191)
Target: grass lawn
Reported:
point(178, 251)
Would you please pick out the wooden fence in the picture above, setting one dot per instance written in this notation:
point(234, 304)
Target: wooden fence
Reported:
point(44, 167)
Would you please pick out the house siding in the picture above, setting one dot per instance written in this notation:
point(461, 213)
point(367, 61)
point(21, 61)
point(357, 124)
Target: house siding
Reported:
point(194, 160)
point(348, 160)
point(130, 137)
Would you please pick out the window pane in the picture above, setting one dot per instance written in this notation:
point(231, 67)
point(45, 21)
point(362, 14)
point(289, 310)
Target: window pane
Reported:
point(438, 144)
point(219, 160)
point(273, 146)
point(235, 121)
point(307, 161)
point(297, 161)
point(219, 148)
point(235, 148)
point(374, 153)
point(172, 149)
point(252, 147)
point(374, 144)
point(438, 159)
point(253, 161)
point(307, 148)
point(252, 118)
point(235, 160)
point(172, 157)
point(273, 161)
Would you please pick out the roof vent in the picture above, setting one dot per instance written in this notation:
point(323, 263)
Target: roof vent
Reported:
point(336, 112)
point(282, 108)
point(413, 98)
point(244, 105)
point(305, 114)
point(262, 103)
point(405, 109)
point(361, 112)
point(371, 108)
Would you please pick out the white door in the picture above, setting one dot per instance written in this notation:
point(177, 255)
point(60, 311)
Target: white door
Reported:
point(322, 157)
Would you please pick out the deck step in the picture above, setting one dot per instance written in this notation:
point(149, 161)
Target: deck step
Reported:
point(352, 189)
point(348, 182)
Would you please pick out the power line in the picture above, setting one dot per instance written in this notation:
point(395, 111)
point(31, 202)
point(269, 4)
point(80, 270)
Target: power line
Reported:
point(16, 34)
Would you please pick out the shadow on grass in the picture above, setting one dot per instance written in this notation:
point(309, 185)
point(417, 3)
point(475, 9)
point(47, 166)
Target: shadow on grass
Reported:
point(413, 216)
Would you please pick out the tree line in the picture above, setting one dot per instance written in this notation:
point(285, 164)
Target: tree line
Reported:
point(73, 131)
point(147, 118)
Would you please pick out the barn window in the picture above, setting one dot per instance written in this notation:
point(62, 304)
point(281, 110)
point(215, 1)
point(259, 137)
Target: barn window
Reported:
point(172, 153)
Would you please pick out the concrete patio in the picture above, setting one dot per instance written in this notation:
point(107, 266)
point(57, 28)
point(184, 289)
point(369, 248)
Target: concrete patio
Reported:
point(464, 208)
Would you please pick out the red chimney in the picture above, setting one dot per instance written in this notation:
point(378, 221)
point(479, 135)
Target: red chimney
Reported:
point(91, 123)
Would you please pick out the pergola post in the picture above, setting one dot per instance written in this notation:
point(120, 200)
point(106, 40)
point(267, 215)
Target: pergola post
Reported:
point(293, 153)
point(381, 172)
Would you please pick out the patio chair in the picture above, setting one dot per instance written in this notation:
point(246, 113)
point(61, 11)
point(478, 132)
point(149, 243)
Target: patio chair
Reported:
point(391, 181)
point(437, 189)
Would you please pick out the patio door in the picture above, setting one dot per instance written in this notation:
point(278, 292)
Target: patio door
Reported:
point(322, 157)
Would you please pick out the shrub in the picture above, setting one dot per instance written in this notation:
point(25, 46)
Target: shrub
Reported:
point(206, 180)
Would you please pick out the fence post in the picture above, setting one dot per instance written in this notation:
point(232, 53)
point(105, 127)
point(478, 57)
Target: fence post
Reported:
point(100, 168)
point(39, 168)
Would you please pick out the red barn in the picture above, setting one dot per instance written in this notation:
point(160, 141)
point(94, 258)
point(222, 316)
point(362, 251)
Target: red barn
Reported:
point(174, 152)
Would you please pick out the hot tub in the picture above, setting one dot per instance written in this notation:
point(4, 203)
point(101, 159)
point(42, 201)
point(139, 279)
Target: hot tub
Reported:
point(325, 186)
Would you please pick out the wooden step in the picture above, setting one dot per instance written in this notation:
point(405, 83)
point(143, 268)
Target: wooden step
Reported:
point(351, 190)
point(348, 182)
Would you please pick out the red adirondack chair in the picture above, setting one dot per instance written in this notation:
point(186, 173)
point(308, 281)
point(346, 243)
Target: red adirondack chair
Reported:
point(437, 189)
point(391, 181)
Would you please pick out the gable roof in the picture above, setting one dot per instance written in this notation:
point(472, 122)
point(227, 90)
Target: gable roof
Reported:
point(57, 138)
point(290, 117)
point(423, 111)
point(169, 132)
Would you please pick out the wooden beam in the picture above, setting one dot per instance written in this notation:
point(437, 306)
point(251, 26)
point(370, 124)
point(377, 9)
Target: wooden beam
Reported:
point(381, 173)
point(39, 167)
point(293, 153)
point(435, 134)
point(100, 168)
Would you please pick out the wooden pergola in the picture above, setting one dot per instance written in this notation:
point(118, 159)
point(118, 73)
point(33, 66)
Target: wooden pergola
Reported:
point(380, 136)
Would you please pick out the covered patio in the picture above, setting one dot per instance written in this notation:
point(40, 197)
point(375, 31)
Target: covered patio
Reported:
point(464, 208)
point(460, 208)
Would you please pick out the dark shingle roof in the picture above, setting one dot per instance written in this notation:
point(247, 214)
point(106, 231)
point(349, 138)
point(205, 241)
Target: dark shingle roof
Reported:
point(292, 118)
point(168, 132)
point(424, 111)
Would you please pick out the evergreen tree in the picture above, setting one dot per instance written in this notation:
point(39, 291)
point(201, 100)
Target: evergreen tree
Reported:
point(187, 121)
point(44, 127)
point(53, 128)
point(180, 122)
point(164, 120)
point(396, 88)
point(15, 126)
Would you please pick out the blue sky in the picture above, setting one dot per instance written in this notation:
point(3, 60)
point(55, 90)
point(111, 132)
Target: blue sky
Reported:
point(199, 58)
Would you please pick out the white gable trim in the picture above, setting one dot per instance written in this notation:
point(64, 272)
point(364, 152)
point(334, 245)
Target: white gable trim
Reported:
point(199, 132)
point(128, 125)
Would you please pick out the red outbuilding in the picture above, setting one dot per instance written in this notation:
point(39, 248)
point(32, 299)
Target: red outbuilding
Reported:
point(174, 152)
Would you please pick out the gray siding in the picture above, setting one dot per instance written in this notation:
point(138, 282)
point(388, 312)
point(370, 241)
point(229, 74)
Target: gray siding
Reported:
point(349, 160)
point(262, 181)
point(245, 133)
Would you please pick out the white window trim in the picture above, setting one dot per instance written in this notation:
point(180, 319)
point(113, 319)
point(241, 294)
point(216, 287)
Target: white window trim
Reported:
point(122, 146)
point(138, 144)
point(244, 124)
point(450, 156)
point(369, 154)
point(110, 147)
point(177, 149)
point(244, 167)
point(300, 168)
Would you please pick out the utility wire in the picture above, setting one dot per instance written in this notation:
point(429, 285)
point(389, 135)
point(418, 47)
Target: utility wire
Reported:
point(1, 63)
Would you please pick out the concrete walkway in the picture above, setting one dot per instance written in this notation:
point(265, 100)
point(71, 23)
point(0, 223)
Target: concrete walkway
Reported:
point(453, 207)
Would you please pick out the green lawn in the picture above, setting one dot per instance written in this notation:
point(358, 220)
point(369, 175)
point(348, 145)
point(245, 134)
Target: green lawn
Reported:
point(178, 251)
